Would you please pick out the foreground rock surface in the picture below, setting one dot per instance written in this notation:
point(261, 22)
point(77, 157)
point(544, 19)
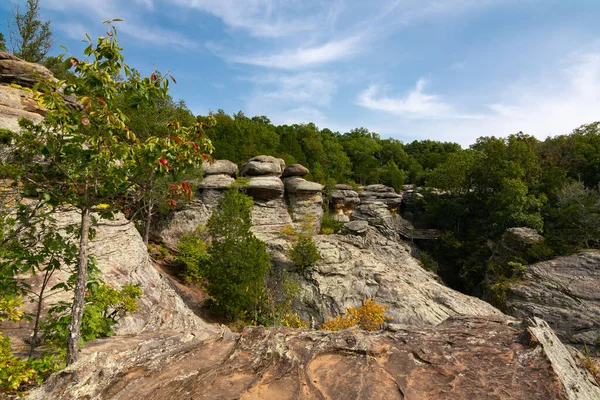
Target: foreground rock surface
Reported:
point(565, 292)
point(462, 358)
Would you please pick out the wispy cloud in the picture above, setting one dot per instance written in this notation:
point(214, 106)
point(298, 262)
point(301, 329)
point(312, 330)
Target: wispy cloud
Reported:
point(304, 57)
point(94, 11)
point(415, 104)
point(303, 88)
point(261, 18)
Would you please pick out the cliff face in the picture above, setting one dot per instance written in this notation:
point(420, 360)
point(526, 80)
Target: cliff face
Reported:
point(16, 103)
point(565, 292)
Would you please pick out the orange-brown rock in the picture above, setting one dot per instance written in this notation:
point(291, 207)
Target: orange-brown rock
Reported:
point(462, 358)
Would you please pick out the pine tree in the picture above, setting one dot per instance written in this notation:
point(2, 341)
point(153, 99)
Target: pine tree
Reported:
point(239, 260)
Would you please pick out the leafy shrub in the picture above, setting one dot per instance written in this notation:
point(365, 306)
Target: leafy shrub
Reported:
point(193, 255)
point(304, 254)
point(13, 371)
point(278, 309)
point(429, 263)
point(370, 317)
point(104, 306)
point(239, 260)
point(330, 225)
point(292, 320)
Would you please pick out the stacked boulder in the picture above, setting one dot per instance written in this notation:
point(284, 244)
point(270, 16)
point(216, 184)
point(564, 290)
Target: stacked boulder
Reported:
point(304, 197)
point(381, 193)
point(343, 201)
point(378, 206)
point(218, 176)
point(266, 188)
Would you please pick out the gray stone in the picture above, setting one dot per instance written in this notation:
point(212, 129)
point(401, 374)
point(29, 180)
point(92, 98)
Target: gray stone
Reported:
point(356, 227)
point(295, 170)
point(341, 186)
point(263, 165)
point(354, 268)
point(265, 187)
point(378, 188)
point(122, 258)
point(220, 167)
point(301, 185)
point(216, 182)
point(565, 292)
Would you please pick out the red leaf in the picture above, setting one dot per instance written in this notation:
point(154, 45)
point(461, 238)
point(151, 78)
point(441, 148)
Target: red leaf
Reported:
point(163, 161)
point(74, 62)
point(173, 79)
point(153, 77)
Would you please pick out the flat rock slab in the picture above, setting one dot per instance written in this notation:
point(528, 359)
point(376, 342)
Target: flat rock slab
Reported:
point(462, 358)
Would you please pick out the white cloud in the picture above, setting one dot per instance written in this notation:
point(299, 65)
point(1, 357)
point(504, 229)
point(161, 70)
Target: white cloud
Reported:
point(552, 103)
point(303, 88)
point(261, 18)
point(133, 23)
point(303, 57)
point(415, 104)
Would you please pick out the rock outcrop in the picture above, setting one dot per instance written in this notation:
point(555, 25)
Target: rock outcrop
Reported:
point(565, 292)
point(515, 244)
point(342, 203)
point(462, 358)
point(14, 102)
point(353, 268)
point(122, 259)
point(304, 198)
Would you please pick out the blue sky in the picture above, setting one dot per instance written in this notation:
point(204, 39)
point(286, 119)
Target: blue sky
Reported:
point(448, 70)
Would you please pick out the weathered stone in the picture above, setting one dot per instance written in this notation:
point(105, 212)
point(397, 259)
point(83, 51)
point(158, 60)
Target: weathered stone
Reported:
point(356, 227)
point(122, 258)
point(263, 165)
point(565, 292)
point(379, 188)
point(299, 185)
point(514, 244)
point(265, 187)
point(13, 70)
point(295, 170)
point(220, 167)
point(341, 186)
point(460, 359)
point(354, 268)
point(168, 229)
point(216, 182)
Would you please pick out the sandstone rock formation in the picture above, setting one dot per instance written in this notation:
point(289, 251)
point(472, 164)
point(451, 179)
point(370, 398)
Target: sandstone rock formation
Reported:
point(514, 245)
point(354, 268)
point(263, 165)
point(295, 170)
point(14, 102)
point(462, 358)
point(122, 259)
point(305, 200)
point(565, 292)
point(342, 203)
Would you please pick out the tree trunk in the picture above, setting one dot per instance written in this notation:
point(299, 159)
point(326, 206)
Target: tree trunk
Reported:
point(148, 223)
point(38, 313)
point(80, 286)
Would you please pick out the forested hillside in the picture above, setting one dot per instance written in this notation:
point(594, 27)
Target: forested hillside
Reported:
point(496, 183)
